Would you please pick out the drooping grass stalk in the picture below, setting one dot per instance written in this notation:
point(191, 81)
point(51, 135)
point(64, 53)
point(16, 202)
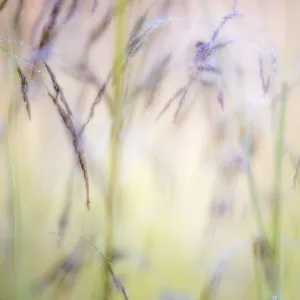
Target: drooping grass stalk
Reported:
point(115, 140)
point(279, 151)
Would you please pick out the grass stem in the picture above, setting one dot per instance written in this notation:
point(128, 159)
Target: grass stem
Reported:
point(115, 141)
point(279, 151)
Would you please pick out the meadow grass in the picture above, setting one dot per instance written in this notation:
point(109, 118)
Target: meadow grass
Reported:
point(153, 158)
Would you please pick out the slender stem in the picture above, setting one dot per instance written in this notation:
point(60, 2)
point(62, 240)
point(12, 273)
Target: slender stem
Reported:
point(15, 210)
point(279, 150)
point(115, 141)
point(15, 213)
point(253, 190)
point(260, 224)
point(258, 279)
point(257, 215)
point(255, 203)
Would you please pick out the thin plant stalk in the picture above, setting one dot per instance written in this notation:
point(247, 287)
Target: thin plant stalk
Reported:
point(259, 220)
point(115, 140)
point(257, 212)
point(20, 276)
point(255, 203)
point(253, 188)
point(14, 208)
point(258, 280)
point(279, 151)
point(279, 148)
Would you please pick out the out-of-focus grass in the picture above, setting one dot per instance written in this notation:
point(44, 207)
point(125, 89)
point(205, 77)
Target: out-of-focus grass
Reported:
point(169, 238)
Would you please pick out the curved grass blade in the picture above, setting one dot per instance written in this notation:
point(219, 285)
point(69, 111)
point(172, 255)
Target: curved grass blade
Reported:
point(24, 89)
point(65, 114)
point(135, 35)
point(181, 94)
point(98, 31)
point(117, 282)
point(156, 77)
point(96, 102)
point(48, 30)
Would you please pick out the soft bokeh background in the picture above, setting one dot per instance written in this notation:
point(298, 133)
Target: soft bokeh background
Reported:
point(184, 203)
